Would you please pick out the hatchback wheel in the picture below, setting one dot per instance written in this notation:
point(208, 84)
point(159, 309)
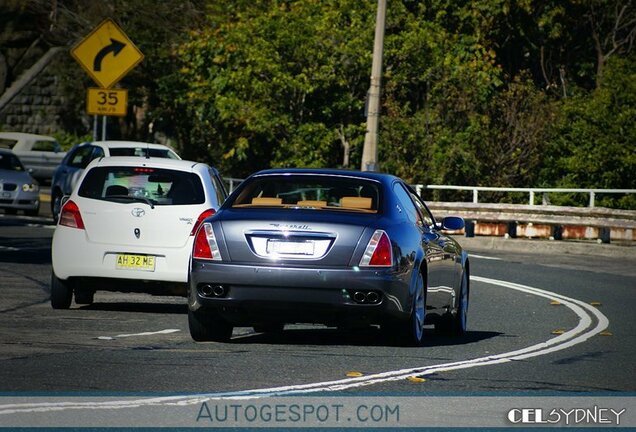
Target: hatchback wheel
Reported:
point(61, 293)
point(205, 327)
point(84, 297)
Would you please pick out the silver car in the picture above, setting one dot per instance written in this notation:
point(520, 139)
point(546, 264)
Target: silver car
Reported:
point(40, 154)
point(18, 190)
point(71, 168)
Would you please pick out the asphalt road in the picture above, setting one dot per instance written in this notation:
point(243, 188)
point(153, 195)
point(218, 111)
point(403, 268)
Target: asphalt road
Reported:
point(520, 339)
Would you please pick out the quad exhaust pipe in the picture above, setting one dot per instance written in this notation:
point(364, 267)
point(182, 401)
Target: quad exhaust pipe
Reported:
point(368, 297)
point(373, 297)
point(212, 291)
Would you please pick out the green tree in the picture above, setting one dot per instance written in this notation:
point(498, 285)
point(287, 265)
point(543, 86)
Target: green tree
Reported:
point(284, 87)
point(439, 84)
point(593, 145)
point(493, 92)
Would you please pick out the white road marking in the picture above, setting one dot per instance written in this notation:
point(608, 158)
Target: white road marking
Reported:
point(41, 226)
point(472, 255)
point(591, 323)
point(9, 248)
point(166, 331)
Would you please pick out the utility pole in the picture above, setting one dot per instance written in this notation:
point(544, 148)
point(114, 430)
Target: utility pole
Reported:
point(370, 150)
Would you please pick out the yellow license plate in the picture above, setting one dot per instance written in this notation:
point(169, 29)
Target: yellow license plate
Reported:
point(135, 262)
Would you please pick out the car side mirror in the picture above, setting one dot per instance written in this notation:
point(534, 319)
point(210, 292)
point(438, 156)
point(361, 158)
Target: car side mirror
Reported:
point(452, 223)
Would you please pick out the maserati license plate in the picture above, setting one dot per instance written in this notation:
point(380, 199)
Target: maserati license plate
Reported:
point(290, 247)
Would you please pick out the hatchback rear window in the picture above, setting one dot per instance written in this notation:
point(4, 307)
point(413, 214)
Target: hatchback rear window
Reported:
point(310, 192)
point(151, 185)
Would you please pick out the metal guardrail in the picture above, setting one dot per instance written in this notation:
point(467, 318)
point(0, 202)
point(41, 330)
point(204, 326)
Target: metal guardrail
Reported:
point(561, 221)
point(568, 221)
point(531, 191)
point(231, 183)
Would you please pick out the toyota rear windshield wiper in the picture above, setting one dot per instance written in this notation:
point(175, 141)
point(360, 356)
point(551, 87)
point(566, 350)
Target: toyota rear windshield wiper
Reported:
point(143, 199)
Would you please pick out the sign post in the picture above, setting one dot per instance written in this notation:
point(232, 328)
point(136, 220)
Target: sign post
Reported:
point(107, 55)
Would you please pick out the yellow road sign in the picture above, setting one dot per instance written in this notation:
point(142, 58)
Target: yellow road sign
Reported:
point(107, 54)
point(107, 102)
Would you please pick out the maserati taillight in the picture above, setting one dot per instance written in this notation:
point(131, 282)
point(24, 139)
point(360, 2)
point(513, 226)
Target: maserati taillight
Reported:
point(205, 246)
point(378, 252)
point(70, 216)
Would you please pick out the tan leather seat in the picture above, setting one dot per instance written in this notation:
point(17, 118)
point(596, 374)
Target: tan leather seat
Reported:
point(311, 203)
point(267, 201)
point(356, 202)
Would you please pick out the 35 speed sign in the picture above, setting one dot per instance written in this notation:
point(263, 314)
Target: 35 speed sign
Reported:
point(107, 102)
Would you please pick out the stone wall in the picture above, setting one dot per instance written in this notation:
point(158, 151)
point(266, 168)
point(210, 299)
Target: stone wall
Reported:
point(36, 107)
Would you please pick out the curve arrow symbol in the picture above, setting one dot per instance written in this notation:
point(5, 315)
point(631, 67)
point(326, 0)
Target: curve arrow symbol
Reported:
point(115, 47)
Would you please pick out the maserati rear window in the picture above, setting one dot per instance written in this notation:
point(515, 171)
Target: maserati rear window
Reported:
point(317, 192)
point(151, 185)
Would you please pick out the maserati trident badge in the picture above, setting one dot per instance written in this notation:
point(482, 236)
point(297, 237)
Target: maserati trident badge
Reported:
point(137, 232)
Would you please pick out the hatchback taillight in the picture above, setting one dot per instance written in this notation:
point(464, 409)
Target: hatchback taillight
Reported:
point(70, 216)
point(378, 252)
point(207, 213)
point(205, 246)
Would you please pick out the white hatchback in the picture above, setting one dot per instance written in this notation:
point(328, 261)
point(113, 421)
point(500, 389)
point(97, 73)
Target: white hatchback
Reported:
point(70, 169)
point(129, 226)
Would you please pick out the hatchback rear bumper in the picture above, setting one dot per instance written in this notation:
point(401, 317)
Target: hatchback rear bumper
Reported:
point(75, 257)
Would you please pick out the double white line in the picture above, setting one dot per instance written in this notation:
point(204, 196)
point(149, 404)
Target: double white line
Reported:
point(591, 323)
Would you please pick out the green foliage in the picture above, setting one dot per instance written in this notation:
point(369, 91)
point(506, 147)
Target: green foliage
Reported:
point(495, 92)
point(594, 144)
point(275, 88)
point(68, 140)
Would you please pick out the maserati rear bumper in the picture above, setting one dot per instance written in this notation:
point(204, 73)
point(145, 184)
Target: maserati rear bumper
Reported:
point(244, 295)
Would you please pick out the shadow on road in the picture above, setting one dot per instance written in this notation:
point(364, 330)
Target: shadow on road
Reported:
point(24, 242)
point(17, 221)
point(435, 339)
point(159, 308)
point(359, 337)
point(28, 251)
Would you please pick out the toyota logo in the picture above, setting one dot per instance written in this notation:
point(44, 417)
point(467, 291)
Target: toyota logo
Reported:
point(138, 212)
